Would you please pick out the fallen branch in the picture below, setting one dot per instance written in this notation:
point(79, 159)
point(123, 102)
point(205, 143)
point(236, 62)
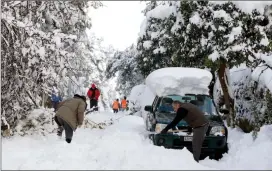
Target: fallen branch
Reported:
point(102, 125)
point(92, 124)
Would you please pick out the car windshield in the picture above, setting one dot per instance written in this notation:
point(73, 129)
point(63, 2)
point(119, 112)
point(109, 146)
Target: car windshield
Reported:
point(202, 101)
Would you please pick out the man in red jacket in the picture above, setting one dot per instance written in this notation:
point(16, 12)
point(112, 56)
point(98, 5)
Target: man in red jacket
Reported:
point(93, 95)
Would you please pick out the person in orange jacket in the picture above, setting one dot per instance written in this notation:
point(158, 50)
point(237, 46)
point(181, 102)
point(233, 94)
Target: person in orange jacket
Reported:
point(116, 106)
point(124, 104)
point(93, 95)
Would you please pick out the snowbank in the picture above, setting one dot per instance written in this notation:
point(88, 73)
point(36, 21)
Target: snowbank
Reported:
point(124, 146)
point(244, 153)
point(139, 97)
point(121, 146)
point(178, 80)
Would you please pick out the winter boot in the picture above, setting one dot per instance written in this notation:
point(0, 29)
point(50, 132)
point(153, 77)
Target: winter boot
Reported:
point(68, 140)
point(60, 130)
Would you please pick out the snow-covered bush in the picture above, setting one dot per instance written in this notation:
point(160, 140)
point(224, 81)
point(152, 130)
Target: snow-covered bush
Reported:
point(39, 121)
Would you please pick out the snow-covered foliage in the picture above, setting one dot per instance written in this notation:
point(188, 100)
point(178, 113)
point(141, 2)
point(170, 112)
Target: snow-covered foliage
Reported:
point(39, 121)
point(124, 66)
point(252, 98)
point(195, 31)
point(45, 44)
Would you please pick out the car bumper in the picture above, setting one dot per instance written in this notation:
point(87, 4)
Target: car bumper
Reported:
point(211, 144)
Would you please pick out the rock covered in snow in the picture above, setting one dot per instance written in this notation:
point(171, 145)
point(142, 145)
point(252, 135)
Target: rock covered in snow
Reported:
point(179, 80)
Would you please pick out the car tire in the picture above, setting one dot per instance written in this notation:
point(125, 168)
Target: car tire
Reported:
point(219, 154)
point(226, 148)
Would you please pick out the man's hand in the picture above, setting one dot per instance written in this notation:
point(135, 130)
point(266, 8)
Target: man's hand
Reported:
point(79, 126)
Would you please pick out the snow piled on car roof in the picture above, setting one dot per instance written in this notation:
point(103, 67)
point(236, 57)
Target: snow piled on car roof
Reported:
point(179, 80)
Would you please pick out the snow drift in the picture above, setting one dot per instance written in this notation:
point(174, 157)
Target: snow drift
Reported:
point(123, 146)
point(245, 153)
point(178, 80)
point(139, 97)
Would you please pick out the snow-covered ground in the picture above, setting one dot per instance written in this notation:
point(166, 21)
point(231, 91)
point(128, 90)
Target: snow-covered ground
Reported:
point(124, 145)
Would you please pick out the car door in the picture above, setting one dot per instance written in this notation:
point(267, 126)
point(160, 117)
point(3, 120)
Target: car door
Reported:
point(151, 118)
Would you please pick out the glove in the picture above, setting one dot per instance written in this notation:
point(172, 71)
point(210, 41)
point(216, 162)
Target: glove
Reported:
point(79, 126)
point(164, 131)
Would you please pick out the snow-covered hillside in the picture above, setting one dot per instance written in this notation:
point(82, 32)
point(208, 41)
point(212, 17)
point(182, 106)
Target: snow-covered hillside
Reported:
point(124, 145)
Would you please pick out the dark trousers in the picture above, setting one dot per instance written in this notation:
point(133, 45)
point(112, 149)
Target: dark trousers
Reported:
point(115, 110)
point(55, 105)
point(198, 138)
point(93, 104)
point(62, 125)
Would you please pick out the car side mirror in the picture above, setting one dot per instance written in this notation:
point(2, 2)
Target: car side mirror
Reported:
point(224, 111)
point(148, 108)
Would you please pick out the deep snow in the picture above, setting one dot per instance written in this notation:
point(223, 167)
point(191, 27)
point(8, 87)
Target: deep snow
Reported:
point(124, 145)
point(139, 97)
point(179, 80)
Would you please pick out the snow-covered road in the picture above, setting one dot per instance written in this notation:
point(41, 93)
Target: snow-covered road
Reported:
point(124, 146)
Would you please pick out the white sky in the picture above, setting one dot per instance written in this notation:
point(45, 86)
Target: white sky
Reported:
point(118, 22)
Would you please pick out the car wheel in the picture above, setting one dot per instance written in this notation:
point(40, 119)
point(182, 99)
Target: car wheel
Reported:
point(219, 154)
point(226, 149)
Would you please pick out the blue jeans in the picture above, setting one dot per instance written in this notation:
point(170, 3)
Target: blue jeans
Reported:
point(55, 106)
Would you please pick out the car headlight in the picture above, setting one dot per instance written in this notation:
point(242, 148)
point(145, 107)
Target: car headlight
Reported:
point(218, 131)
point(159, 127)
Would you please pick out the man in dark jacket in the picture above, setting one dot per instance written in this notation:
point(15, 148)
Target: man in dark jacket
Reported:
point(195, 119)
point(70, 115)
point(93, 95)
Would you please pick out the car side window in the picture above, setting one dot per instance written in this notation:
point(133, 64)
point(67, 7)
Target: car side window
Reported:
point(157, 104)
point(214, 108)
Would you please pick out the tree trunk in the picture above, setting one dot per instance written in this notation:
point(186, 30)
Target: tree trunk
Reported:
point(43, 99)
point(229, 102)
point(211, 86)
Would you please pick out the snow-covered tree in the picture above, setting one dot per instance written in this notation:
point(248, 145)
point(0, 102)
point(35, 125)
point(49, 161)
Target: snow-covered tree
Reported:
point(44, 44)
point(234, 38)
point(203, 34)
point(124, 66)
